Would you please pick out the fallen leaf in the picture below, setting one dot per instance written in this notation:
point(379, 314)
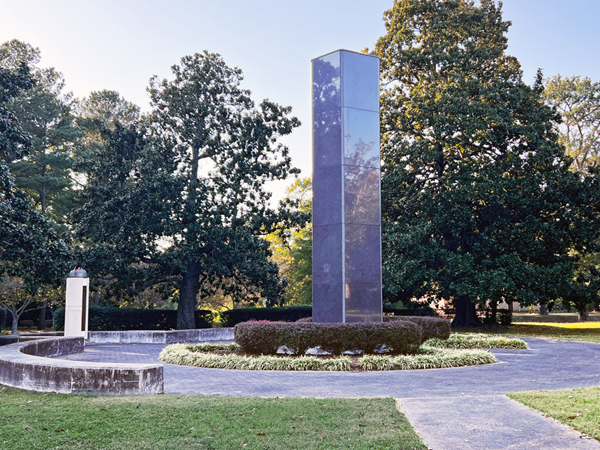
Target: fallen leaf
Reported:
point(44, 429)
point(321, 437)
point(243, 445)
point(361, 425)
point(27, 427)
point(573, 417)
point(186, 443)
point(261, 434)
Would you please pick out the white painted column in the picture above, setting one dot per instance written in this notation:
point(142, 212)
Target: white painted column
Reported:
point(77, 304)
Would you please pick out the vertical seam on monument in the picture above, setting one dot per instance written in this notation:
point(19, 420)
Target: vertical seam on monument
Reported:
point(380, 209)
point(312, 207)
point(343, 193)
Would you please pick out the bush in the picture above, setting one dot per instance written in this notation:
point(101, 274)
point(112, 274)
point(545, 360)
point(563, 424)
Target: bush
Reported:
point(431, 327)
point(462, 341)
point(285, 313)
point(180, 354)
point(266, 338)
point(123, 319)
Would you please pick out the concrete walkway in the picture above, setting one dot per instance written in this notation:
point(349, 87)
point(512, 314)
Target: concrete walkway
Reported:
point(460, 408)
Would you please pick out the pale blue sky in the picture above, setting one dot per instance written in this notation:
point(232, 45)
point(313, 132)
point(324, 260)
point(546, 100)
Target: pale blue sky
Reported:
point(120, 44)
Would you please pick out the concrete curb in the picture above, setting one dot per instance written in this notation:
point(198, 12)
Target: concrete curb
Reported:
point(27, 365)
point(160, 337)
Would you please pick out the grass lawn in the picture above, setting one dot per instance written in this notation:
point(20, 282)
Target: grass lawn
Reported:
point(577, 331)
point(33, 420)
point(579, 408)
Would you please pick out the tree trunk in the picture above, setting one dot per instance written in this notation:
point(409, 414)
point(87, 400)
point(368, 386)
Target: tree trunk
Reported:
point(583, 315)
point(494, 307)
point(42, 317)
point(15, 323)
point(543, 310)
point(190, 285)
point(465, 313)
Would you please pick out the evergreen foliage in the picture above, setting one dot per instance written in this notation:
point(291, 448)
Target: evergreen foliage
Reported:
point(44, 113)
point(123, 319)
point(181, 195)
point(478, 201)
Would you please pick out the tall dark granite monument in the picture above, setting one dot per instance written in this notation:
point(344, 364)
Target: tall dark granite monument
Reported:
point(346, 188)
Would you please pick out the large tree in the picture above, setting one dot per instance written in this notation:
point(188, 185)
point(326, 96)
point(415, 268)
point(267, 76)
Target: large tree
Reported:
point(30, 249)
point(184, 192)
point(292, 248)
point(577, 100)
point(478, 201)
point(44, 112)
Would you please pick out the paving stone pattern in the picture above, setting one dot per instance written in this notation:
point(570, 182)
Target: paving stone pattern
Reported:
point(460, 408)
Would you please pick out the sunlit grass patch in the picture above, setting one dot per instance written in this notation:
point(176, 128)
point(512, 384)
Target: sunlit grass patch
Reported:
point(581, 331)
point(579, 408)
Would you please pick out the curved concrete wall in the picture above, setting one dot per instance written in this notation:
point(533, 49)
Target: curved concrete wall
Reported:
point(28, 365)
point(161, 337)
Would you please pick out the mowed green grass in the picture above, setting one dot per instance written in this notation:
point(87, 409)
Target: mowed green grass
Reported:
point(579, 408)
point(576, 331)
point(48, 421)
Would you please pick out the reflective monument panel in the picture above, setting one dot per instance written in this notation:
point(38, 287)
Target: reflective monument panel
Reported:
point(346, 188)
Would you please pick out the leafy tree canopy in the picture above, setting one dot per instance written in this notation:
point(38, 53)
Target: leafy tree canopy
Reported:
point(44, 113)
point(29, 247)
point(577, 100)
point(292, 248)
point(184, 191)
point(478, 200)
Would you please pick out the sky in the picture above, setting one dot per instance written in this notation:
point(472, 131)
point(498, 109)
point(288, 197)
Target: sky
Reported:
point(120, 44)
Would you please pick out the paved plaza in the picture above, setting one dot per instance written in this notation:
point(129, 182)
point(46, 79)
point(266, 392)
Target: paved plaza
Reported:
point(460, 408)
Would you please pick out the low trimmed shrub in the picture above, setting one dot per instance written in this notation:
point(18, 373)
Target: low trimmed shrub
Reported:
point(431, 327)
point(443, 359)
point(427, 358)
point(204, 347)
point(461, 341)
point(182, 355)
point(123, 319)
point(266, 338)
point(286, 313)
